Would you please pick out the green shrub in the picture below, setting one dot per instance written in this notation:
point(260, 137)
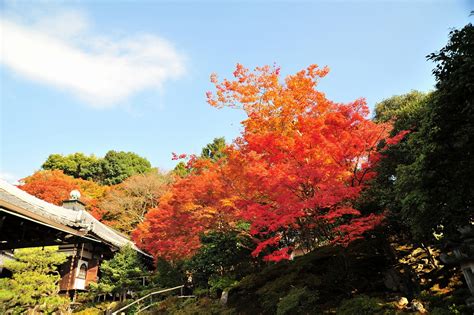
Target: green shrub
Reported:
point(361, 305)
point(200, 292)
point(451, 303)
point(202, 306)
point(296, 301)
point(219, 284)
point(34, 283)
point(271, 292)
point(451, 310)
point(221, 254)
point(169, 275)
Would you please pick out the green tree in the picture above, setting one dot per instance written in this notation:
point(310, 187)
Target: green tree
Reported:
point(77, 165)
point(436, 189)
point(406, 112)
point(223, 258)
point(403, 109)
point(214, 150)
point(121, 273)
point(34, 284)
point(181, 170)
point(169, 274)
point(118, 166)
point(114, 168)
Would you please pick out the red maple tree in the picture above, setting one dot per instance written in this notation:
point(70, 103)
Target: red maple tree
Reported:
point(54, 187)
point(293, 174)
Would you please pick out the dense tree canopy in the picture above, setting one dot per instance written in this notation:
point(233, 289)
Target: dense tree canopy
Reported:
point(181, 170)
point(77, 165)
point(115, 167)
point(215, 149)
point(34, 285)
point(121, 273)
point(189, 208)
point(403, 110)
point(424, 180)
point(54, 186)
point(125, 204)
point(406, 111)
point(118, 166)
point(437, 191)
point(222, 255)
point(292, 175)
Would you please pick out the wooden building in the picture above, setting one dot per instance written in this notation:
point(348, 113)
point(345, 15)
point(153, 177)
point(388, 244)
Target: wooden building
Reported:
point(82, 266)
point(26, 221)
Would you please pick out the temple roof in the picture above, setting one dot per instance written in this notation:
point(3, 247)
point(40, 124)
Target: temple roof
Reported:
point(77, 222)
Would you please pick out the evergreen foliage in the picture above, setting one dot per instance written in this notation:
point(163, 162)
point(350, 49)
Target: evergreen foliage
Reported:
point(118, 166)
point(120, 274)
point(169, 275)
point(34, 285)
point(77, 165)
point(221, 259)
point(181, 169)
point(361, 305)
point(114, 168)
point(215, 149)
point(425, 179)
point(436, 189)
point(406, 111)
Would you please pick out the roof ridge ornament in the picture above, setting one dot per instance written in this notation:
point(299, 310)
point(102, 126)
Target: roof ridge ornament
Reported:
point(75, 194)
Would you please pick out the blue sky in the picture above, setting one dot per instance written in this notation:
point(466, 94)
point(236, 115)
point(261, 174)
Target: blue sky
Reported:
point(92, 76)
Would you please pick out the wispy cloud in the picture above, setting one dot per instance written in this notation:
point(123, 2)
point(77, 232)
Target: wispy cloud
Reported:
point(61, 51)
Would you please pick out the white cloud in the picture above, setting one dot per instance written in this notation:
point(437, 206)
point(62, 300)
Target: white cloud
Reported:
point(103, 71)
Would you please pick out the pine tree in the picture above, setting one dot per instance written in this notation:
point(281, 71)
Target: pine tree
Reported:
point(34, 285)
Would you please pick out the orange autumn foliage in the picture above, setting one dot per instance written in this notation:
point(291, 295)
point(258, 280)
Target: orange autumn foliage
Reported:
point(193, 205)
point(54, 186)
point(293, 174)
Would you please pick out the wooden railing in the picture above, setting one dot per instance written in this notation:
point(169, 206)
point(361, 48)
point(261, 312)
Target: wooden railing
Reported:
point(147, 298)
